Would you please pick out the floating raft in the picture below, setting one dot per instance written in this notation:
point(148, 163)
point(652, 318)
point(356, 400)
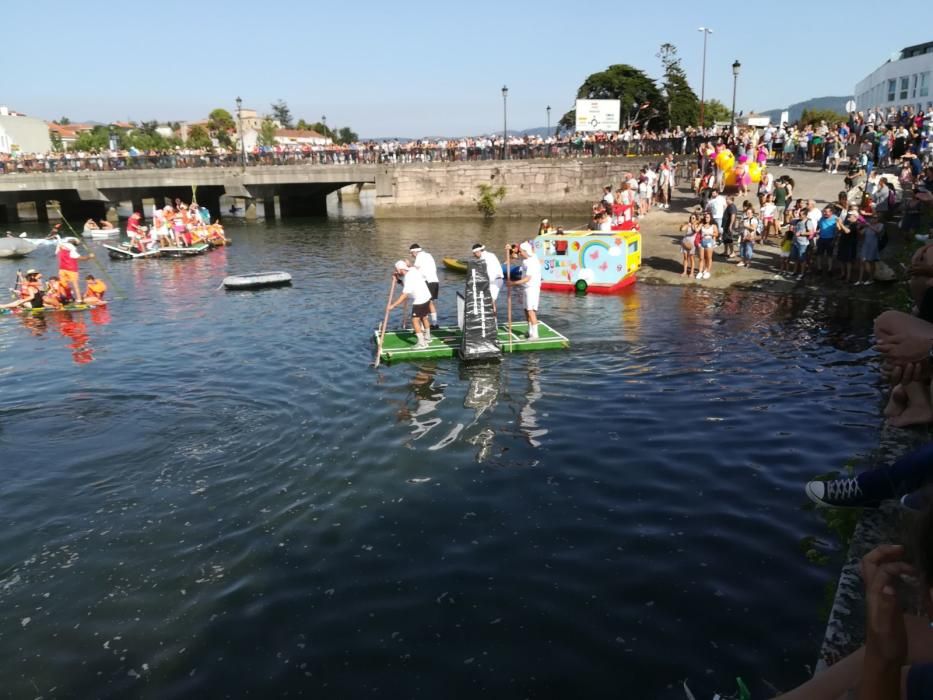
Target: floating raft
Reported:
point(445, 342)
point(257, 280)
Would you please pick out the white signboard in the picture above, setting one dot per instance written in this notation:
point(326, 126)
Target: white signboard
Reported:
point(598, 115)
point(850, 106)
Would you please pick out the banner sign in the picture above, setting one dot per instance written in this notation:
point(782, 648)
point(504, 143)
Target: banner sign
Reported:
point(598, 115)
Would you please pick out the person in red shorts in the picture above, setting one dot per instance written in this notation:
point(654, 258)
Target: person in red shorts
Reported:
point(68, 259)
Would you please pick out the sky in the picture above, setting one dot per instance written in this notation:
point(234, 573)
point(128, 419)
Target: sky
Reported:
point(413, 68)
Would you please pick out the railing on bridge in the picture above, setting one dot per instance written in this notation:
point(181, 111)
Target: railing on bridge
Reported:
point(370, 154)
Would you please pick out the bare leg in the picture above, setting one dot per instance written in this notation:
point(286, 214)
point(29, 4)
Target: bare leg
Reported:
point(843, 676)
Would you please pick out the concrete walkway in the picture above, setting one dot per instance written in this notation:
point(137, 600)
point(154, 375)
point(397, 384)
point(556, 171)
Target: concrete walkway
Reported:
point(661, 256)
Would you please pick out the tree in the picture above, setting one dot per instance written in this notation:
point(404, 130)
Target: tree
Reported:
point(716, 111)
point(324, 131)
point(198, 137)
point(64, 121)
point(175, 126)
point(267, 133)
point(683, 106)
point(282, 114)
point(219, 124)
point(815, 116)
point(98, 139)
point(638, 95)
point(347, 135)
point(302, 125)
point(56, 140)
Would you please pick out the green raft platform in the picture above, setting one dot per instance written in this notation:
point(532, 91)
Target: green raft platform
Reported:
point(445, 342)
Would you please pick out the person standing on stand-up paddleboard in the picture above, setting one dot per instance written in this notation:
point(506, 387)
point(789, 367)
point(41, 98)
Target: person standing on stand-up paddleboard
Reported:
point(424, 263)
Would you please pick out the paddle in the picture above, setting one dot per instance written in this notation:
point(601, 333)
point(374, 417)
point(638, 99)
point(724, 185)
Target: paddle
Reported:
point(508, 281)
point(80, 240)
point(385, 322)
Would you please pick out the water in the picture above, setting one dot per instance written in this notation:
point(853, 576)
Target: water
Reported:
point(214, 494)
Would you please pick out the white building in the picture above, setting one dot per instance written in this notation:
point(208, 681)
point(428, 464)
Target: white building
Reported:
point(22, 134)
point(901, 82)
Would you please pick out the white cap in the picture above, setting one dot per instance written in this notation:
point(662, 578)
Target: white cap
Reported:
point(526, 246)
point(401, 265)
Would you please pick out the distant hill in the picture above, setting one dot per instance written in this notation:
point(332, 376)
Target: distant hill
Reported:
point(837, 104)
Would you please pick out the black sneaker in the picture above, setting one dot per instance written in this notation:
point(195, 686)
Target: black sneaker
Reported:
point(434, 326)
point(839, 493)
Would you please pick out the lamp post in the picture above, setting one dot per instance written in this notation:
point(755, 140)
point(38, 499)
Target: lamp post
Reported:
point(706, 32)
point(324, 123)
point(505, 123)
point(735, 81)
point(547, 134)
point(239, 122)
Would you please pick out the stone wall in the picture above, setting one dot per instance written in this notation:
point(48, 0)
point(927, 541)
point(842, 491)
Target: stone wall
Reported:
point(534, 188)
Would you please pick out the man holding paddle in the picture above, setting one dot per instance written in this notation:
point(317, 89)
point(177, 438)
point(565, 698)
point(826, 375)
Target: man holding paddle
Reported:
point(414, 286)
point(68, 258)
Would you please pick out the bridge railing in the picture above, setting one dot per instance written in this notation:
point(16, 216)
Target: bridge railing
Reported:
point(372, 154)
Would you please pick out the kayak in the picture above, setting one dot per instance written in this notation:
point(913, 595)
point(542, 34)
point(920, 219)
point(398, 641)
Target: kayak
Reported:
point(257, 280)
point(101, 232)
point(125, 253)
point(183, 251)
point(15, 247)
point(455, 265)
point(47, 309)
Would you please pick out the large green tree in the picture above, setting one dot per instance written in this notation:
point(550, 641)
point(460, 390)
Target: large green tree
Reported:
point(198, 137)
point(640, 99)
point(219, 124)
point(716, 111)
point(347, 135)
point(815, 116)
point(683, 105)
point(282, 114)
point(267, 133)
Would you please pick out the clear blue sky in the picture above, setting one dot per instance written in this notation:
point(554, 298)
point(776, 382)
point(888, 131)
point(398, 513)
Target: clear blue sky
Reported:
point(416, 68)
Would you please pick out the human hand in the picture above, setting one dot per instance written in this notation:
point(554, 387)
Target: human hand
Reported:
point(902, 349)
point(886, 636)
point(920, 268)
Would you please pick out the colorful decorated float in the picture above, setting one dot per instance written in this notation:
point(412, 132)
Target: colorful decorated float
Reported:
point(589, 261)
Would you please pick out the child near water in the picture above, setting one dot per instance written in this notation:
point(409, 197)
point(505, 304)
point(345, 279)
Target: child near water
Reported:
point(787, 242)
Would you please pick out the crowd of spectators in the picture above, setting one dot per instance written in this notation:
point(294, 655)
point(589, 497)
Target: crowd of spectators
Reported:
point(627, 142)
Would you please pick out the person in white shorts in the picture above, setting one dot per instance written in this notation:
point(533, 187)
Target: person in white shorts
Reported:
point(493, 270)
point(531, 283)
point(414, 287)
point(424, 262)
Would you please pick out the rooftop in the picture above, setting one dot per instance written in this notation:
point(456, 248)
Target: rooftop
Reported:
point(916, 50)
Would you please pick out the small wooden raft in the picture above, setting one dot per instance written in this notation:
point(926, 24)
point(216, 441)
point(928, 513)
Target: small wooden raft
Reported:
point(445, 342)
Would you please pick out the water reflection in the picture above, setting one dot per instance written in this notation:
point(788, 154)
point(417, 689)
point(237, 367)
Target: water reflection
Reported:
point(420, 405)
point(528, 415)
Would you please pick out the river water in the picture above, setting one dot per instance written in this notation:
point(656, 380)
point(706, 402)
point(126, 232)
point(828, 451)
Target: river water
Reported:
point(213, 494)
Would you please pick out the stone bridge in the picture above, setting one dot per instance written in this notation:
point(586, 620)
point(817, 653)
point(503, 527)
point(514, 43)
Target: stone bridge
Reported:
point(538, 187)
point(301, 189)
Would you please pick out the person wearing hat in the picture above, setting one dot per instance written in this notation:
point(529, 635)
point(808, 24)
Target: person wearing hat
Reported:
point(30, 292)
point(415, 288)
point(493, 270)
point(531, 284)
point(424, 263)
point(68, 258)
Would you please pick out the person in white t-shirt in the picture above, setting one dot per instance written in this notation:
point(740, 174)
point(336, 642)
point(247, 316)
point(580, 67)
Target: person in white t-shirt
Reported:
point(425, 264)
point(493, 271)
point(531, 283)
point(415, 288)
point(607, 195)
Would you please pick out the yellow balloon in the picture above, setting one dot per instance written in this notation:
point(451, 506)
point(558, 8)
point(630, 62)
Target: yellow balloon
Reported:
point(725, 160)
point(728, 178)
point(754, 171)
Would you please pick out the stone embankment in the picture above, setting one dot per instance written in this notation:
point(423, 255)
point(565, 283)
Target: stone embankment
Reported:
point(534, 188)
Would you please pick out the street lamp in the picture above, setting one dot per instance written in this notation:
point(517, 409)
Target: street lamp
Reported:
point(735, 80)
point(324, 124)
point(239, 121)
point(505, 123)
point(548, 110)
point(706, 32)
